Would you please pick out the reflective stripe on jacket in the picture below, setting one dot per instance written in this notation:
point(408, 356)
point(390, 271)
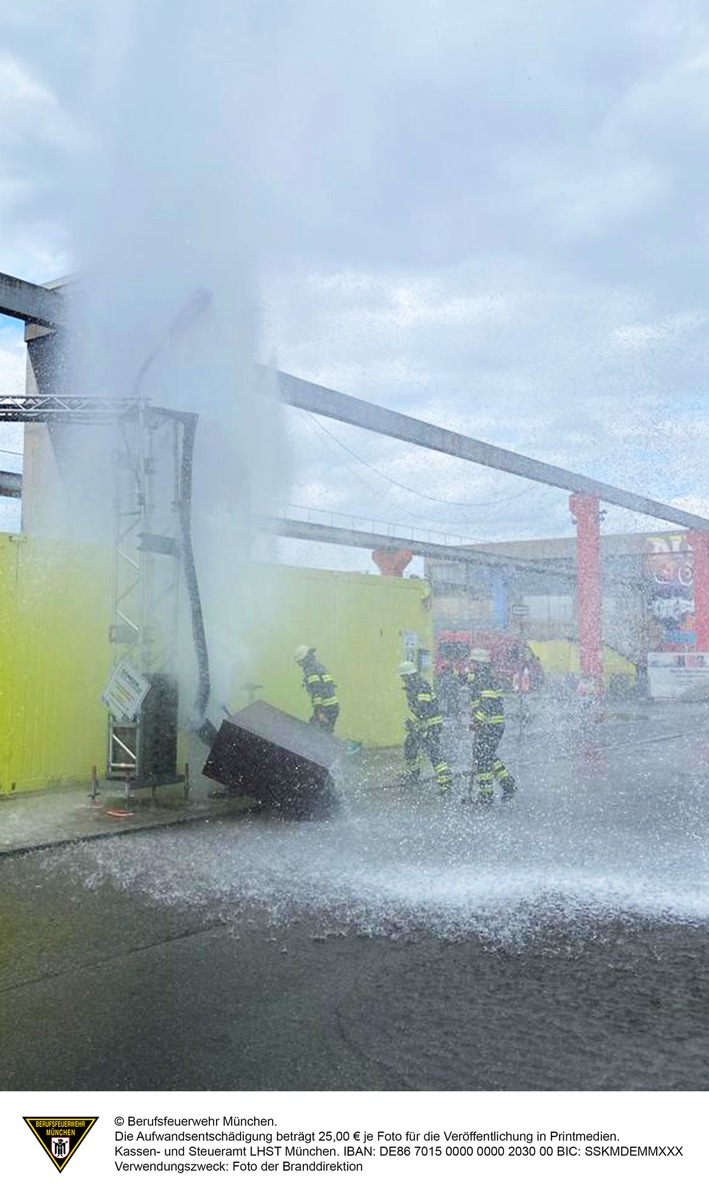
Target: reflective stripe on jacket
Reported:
point(320, 685)
point(486, 696)
point(423, 704)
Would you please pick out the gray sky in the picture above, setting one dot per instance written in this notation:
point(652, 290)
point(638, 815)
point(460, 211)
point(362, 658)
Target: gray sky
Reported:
point(493, 216)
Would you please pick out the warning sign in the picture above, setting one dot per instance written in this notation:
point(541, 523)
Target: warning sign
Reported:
point(125, 691)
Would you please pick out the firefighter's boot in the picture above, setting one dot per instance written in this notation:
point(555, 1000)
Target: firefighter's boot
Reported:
point(505, 780)
point(482, 789)
point(409, 778)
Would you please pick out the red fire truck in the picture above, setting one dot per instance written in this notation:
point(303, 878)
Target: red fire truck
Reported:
point(507, 653)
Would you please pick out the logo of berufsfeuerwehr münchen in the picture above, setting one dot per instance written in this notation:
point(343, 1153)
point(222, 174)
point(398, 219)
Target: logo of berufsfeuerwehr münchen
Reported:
point(60, 1136)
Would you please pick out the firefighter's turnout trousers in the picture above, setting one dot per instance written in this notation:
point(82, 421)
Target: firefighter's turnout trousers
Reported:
point(422, 742)
point(488, 725)
point(487, 767)
point(423, 731)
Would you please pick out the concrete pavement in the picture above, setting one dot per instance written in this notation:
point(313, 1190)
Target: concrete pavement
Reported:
point(411, 942)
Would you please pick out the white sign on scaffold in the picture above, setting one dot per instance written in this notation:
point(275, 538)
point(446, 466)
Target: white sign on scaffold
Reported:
point(125, 691)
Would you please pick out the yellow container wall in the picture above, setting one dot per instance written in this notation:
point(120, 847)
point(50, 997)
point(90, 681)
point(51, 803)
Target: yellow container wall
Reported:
point(55, 610)
point(562, 658)
point(356, 623)
point(55, 659)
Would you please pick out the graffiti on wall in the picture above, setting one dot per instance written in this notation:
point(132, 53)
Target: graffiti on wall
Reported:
point(670, 596)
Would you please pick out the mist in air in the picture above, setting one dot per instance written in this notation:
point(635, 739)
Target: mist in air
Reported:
point(212, 140)
point(609, 830)
point(167, 249)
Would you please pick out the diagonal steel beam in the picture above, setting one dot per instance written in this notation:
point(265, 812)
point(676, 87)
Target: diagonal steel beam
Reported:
point(10, 484)
point(45, 306)
point(312, 397)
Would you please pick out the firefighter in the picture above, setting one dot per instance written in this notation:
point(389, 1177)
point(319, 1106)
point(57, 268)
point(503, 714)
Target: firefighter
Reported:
point(320, 686)
point(423, 729)
point(487, 721)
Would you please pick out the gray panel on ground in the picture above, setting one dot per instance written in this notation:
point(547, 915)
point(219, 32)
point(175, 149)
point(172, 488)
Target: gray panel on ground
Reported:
point(275, 758)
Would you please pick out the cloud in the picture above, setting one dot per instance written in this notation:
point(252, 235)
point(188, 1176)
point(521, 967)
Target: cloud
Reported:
point(494, 217)
point(643, 337)
point(36, 134)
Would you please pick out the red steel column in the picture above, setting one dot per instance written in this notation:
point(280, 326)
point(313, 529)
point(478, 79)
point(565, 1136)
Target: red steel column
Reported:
point(586, 510)
point(698, 542)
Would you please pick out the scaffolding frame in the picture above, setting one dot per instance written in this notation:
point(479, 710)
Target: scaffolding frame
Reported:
point(147, 543)
point(152, 488)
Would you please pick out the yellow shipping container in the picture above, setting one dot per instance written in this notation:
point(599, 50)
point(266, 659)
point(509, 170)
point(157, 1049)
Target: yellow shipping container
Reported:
point(54, 661)
point(55, 611)
point(361, 626)
point(561, 657)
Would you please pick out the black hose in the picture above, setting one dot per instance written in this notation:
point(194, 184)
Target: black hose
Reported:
point(192, 584)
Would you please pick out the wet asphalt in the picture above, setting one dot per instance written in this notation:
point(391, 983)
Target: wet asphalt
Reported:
point(560, 942)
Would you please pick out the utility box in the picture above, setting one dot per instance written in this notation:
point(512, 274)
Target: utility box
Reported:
point(276, 759)
point(158, 729)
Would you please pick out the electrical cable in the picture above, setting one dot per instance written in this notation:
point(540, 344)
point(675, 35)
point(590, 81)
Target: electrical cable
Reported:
point(414, 492)
point(372, 489)
point(416, 516)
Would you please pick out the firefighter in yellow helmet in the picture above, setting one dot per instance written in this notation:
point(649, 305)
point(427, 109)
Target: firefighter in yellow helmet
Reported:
point(487, 721)
point(423, 729)
point(320, 686)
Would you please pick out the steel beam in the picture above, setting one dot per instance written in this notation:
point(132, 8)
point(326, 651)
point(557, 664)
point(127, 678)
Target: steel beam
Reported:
point(30, 302)
point(340, 536)
point(298, 393)
point(589, 606)
point(10, 484)
point(20, 408)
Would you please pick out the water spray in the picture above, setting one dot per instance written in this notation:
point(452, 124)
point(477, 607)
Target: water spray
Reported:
point(197, 303)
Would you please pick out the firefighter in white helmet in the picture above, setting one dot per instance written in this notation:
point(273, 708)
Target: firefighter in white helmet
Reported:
point(423, 729)
point(320, 687)
point(487, 721)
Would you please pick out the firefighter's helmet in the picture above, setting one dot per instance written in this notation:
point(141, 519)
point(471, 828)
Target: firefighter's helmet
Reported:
point(406, 668)
point(301, 652)
point(479, 655)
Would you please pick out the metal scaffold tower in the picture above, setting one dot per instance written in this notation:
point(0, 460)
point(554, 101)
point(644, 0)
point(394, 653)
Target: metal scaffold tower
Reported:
point(152, 491)
point(152, 554)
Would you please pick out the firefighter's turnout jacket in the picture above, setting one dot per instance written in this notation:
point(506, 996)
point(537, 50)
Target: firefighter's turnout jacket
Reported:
point(423, 705)
point(486, 697)
point(321, 688)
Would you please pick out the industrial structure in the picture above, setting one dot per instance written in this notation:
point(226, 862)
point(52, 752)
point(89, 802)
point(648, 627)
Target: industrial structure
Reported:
point(148, 546)
point(647, 595)
point(152, 456)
